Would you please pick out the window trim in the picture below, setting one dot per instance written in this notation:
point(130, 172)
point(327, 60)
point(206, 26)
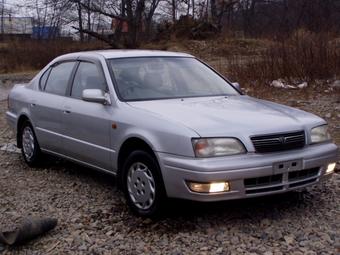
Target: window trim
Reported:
point(115, 85)
point(48, 70)
point(222, 76)
point(71, 81)
point(51, 68)
point(95, 62)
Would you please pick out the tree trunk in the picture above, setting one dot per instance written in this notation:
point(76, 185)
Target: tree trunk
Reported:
point(80, 23)
point(173, 5)
point(213, 10)
point(188, 7)
point(2, 17)
point(89, 19)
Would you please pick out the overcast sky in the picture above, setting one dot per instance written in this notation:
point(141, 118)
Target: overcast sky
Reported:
point(16, 7)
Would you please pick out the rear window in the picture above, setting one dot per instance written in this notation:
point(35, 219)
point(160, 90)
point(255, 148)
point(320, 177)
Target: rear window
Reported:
point(59, 77)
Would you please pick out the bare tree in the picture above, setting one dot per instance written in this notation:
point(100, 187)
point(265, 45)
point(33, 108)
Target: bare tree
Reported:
point(149, 14)
point(133, 20)
point(174, 10)
point(48, 13)
point(134, 13)
point(2, 12)
point(88, 18)
point(80, 22)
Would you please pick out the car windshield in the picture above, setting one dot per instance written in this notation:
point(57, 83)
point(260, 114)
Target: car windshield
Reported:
point(165, 78)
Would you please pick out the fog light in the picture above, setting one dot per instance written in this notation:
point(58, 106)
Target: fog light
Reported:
point(213, 187)
point(330, 168)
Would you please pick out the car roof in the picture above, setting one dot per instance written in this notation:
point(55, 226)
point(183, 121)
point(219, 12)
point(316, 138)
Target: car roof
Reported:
point(139, 53)
point(109, 54)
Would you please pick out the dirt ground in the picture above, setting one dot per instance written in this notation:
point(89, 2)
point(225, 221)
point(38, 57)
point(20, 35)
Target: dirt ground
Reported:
point(93, 217)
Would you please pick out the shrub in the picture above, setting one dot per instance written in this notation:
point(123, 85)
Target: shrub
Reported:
point(25, 55)
point(304, 56)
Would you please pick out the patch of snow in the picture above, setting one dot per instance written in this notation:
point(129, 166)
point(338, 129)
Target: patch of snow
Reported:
point(303, 85)
point(277, 84)
point(281, 85)
point(290, 87)
point(9, 147)
point(336, 84)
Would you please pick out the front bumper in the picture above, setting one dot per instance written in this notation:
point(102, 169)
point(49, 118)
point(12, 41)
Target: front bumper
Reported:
point(241, 170)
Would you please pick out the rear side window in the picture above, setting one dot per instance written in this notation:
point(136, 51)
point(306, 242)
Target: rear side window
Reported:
point(88, 76)
point(58, 78)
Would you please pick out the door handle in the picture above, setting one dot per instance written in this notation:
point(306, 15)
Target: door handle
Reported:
point(67, 112)
point(32, 104)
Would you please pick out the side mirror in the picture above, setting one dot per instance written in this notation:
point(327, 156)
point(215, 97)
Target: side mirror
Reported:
point(236, 85)
point(95, 96)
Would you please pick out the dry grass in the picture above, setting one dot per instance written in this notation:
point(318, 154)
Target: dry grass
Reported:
point(19, 56)
point(302, 57)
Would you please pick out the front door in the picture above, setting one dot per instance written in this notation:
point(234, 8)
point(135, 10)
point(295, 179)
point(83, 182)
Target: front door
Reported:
point(86, 125)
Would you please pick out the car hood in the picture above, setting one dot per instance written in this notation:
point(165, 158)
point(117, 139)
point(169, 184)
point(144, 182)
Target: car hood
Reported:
point(234, 116)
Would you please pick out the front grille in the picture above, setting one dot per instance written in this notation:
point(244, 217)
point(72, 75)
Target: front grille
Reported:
point(302, 183)
point(303, 174)
point(282, 181)
point(279, 142)
point(264, 190)
point(263, 181)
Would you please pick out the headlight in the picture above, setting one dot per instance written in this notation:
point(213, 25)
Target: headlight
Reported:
point(320, 134)
point(214, 147)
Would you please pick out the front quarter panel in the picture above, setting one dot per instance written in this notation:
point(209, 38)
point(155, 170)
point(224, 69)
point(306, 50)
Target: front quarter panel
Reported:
point(160, 134)
point(306, 119)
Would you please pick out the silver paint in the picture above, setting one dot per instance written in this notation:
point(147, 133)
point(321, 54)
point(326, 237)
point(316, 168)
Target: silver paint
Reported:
point(81, 131)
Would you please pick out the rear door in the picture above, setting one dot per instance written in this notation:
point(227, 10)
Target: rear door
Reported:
point(86, 125)
point(47, 106)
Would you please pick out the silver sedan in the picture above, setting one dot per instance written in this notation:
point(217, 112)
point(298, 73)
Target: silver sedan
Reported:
point(167, 125)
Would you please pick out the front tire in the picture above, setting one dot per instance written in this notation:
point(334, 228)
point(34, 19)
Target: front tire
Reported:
point(30, 148)
point(142, 184)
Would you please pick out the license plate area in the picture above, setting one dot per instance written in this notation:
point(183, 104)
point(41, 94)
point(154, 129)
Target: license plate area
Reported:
point(287, 166)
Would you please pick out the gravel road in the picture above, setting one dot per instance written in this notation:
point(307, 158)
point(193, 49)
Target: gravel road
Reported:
point(7, 81)
point(93, 217)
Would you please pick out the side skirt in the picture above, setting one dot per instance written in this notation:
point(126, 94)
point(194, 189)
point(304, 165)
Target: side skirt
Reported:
point(79, 162)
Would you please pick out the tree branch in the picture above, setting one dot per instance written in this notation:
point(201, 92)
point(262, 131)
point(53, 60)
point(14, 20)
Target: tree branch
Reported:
point(98, 36)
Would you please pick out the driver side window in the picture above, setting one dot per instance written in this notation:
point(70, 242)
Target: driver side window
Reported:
point(88, 76)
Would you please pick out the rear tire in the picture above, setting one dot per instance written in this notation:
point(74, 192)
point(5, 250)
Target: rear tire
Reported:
point(142, 184)
point(30, 148)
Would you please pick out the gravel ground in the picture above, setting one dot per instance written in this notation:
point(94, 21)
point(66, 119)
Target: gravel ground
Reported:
point(93, 217)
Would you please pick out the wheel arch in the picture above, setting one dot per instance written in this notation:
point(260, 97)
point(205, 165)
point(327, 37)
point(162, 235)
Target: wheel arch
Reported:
point(21, 120)
point(129, 145)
